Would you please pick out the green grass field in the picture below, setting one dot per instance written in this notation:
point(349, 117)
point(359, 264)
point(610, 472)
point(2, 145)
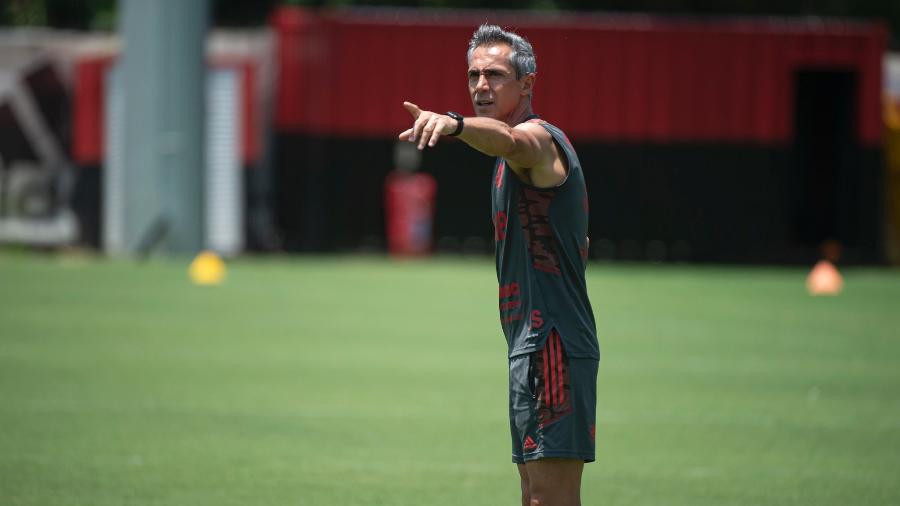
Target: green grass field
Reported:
point(362, 381)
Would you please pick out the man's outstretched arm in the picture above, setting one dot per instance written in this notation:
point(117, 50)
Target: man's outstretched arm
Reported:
point(525, 146)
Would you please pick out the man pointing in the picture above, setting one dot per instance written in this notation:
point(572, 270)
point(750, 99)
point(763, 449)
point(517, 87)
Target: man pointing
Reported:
point(540, 215)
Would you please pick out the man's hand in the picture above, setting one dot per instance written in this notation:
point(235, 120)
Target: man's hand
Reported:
point(427, 126)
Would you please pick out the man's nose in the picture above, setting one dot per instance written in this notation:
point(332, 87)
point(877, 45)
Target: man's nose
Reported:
point(482, 82)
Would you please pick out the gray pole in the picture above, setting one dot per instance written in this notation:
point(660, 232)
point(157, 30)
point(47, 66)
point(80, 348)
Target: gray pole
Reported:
point(164, 70)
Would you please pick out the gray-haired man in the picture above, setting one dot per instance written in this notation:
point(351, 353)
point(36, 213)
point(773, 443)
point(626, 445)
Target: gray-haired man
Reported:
point(540, 212)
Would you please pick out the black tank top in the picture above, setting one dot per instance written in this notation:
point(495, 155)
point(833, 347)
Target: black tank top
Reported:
point(541, 246)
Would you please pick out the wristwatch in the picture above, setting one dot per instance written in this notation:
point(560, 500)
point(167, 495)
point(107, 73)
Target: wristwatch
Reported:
point(459, 122)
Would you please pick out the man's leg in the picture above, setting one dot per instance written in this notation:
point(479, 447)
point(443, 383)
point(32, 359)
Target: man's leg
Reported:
point(553, 482)
point(552, 411)
point(526, 487)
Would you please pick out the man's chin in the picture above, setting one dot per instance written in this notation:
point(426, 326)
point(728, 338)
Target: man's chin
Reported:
point(486, 112)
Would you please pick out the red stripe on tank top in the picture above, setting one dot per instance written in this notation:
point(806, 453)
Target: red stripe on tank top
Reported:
point(512, 304)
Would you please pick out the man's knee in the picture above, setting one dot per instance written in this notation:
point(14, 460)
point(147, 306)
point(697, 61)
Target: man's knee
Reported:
point(540, 496)
point(537, 501)
point(540, 493)
point(526, 486)
point(554, 482)
point(552, 497)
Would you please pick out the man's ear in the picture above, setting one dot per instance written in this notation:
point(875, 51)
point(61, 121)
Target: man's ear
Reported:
point(528, 84)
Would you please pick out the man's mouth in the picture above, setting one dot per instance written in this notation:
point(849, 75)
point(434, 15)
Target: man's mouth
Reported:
point(483, 103)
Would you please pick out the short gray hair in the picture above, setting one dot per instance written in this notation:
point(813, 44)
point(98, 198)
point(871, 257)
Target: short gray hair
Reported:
point(522, 55)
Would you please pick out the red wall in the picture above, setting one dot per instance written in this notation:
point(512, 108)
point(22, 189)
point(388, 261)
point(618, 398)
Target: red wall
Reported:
point(615, 78)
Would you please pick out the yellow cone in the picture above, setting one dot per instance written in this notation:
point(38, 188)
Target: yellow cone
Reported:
point(824, 279)
point(207, 269)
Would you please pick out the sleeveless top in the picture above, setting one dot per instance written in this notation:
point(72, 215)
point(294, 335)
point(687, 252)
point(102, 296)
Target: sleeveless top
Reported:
point(540, 238)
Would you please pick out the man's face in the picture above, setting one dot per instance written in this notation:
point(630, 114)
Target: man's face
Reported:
point(493, 86)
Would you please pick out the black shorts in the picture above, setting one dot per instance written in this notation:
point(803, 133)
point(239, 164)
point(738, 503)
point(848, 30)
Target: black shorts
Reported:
point(552, 404)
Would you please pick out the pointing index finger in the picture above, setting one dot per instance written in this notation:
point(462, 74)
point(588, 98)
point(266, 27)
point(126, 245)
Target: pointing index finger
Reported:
point(413, 109)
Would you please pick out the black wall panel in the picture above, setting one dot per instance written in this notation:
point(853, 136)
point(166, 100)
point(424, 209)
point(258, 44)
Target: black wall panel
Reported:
point(701, 203)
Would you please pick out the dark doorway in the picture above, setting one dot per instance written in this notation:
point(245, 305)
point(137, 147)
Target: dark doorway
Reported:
point(826, 172)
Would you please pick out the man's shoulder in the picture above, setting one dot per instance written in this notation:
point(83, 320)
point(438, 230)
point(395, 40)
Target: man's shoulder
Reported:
point(539, 130)
point(558, 134)
point(533, 125)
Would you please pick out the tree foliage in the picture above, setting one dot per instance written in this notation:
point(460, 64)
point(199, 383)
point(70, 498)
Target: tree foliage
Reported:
point(100, 14)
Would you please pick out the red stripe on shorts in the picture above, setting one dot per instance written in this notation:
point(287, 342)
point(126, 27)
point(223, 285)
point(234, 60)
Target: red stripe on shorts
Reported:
point(554, 356)
point(546, 378)
point(560, 364)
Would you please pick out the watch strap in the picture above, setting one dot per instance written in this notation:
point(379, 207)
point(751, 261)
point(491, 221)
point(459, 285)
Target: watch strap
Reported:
point(459, 123)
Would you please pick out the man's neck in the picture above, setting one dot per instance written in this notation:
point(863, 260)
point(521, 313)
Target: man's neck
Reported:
point(522, 112)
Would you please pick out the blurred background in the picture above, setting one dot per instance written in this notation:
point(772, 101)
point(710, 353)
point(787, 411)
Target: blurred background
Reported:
point(746, 132)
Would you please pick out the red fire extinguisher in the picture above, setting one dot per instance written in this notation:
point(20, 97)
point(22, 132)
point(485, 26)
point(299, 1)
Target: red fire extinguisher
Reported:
point(409, 206)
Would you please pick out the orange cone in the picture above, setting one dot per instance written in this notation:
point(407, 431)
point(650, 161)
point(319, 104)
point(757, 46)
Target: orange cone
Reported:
point(824, 279)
